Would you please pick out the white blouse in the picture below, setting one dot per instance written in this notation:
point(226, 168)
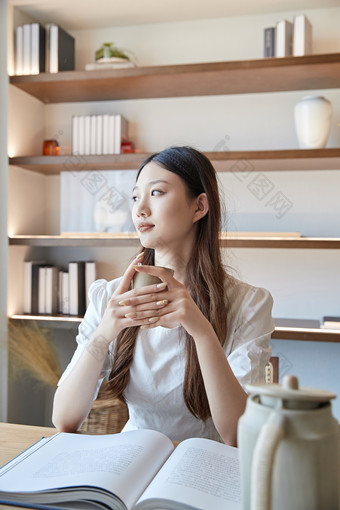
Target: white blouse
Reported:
point(154, 394)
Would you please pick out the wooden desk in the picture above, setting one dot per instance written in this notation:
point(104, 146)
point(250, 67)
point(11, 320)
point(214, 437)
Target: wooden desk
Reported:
point(16, 438)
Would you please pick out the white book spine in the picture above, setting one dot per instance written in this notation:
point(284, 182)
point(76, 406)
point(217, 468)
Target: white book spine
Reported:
point(35, 48)
point(81, 135)
point(53, 49)
point(51, 290)
point(65, 295)
point(121, 132)
point(106, 133)
point(302, 36)
point(75, 134)
point(27, 287)
point(27, 49)
point(99, 134)
point(76, 271)
point(19, 46)
point(284, 38)
point(118, 136)
point(87, 135)
point(73, 288)
point(42, 290)
point(90, 277)
point(93, 134)
point(60, 291)
point(111, 135)
point(48, 46)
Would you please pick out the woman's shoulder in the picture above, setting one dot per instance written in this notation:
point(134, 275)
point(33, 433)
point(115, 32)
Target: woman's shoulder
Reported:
point(238, 290)
point(246, 301)
point(249, 313)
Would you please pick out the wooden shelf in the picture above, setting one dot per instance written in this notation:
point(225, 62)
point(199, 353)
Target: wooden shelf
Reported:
point(308, 334)
point(75, 240)
point(53, 165)
point(227, 241)
point(273, 160)
point(52, 321)
point(236, 77)
point(283, 333)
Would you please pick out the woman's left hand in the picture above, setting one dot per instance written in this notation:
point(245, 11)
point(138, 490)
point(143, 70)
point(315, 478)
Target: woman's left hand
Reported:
point(179, 307)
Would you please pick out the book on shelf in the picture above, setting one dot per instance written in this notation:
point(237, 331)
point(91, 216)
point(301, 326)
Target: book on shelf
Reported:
point(90, 277)
point(120, 132)
point(330, 322)
point(98, 134)
point(38, 45)
point(51, 290)
point(87, 135)
point(60, 54)
point(93, 134)
point(302, 36)
point(106, 134)
point(111, 136)
point(297, 323)
point(19, 47)
point(41, 291)
point(65, 293)
point(40, 288)
point(80, 143)
point(30, 49)
point(26, 52)
point(136, 470)
point(269, 42)
point(284, 38)
point(77, 300)
point(60, 291)
point(31, 286)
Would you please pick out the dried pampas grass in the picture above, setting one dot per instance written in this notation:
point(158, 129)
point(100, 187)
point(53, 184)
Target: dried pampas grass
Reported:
point(31, 351)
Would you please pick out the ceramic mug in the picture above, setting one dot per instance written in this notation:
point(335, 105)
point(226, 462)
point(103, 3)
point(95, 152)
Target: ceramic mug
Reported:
point(142, 279)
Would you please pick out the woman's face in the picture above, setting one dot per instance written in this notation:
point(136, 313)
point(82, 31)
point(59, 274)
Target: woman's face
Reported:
point(162, 213)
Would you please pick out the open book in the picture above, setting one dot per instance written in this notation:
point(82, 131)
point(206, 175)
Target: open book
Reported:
point(127, 471)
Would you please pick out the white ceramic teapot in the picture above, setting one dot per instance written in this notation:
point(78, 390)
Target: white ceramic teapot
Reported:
point(288, 447)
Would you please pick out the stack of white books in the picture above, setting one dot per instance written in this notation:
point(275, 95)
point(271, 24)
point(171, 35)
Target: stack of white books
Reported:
point(30, 49)
point(41, 49)
point(98, 134)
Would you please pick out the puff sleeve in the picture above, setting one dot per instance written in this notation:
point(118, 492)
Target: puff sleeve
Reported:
point(248, 347)
point(99, 294)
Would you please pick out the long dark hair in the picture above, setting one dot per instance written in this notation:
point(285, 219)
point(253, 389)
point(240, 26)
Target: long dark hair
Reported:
point(205, 276)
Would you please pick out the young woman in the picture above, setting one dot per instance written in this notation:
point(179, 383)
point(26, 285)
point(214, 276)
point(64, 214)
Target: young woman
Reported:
point(179, 352)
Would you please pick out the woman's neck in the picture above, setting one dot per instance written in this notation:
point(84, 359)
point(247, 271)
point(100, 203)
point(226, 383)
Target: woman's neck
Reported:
point(176, 260)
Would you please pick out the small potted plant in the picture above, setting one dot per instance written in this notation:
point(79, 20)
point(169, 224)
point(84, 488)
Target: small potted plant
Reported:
point(110, 52)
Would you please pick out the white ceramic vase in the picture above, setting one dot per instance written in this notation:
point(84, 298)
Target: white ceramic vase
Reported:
point(313, 121)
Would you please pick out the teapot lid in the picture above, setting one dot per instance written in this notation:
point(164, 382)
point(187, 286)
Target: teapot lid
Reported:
point(289, 390)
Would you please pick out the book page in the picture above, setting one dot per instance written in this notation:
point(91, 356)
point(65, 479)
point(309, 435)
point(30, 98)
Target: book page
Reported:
point(200, 474)
point(122, 463)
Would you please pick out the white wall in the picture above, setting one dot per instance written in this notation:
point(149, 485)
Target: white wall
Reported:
point(304, 283)
point(233, 38)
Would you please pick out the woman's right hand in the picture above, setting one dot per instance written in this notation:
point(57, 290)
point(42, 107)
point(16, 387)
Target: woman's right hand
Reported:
point(123, 307)
point(113, 321)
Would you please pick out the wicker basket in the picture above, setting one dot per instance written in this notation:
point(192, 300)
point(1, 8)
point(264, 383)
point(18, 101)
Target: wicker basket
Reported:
point(107, 416)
